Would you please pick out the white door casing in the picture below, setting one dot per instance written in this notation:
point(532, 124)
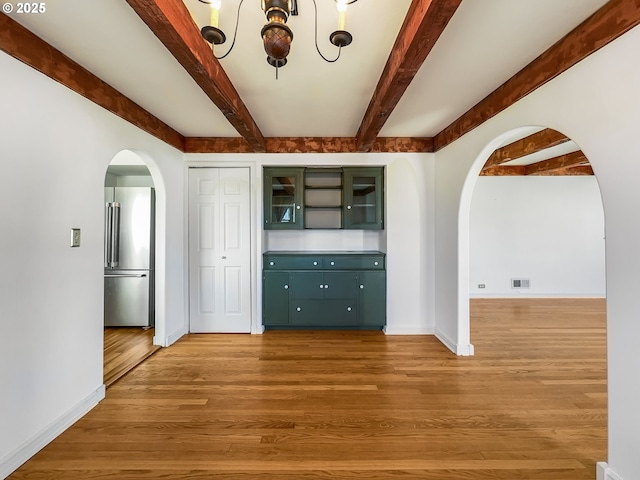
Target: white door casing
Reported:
point(219, 250)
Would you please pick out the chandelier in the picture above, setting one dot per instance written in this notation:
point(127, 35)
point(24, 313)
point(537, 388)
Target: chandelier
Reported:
point(276, 34)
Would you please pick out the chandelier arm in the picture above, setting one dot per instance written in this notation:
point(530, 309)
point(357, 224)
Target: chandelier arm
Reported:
point(315, 6)
point(235, 33)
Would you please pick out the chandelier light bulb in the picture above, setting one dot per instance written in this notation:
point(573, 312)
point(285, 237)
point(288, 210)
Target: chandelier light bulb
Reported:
point(342, 14)
point(215, 12)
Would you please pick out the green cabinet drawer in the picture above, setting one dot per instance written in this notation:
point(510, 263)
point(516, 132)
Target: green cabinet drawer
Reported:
point(354, 262)
point(326, 313)
point(292, 262)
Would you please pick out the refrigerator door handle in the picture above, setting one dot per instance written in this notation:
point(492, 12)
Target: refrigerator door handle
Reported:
point(108, 213)
point(125, 275)
point(115, 235)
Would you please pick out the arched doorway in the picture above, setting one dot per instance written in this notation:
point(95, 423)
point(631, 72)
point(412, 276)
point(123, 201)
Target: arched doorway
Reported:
point(541, 216)
point(134, 202)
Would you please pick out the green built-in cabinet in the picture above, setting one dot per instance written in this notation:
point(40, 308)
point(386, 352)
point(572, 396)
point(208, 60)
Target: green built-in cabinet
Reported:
point(324, 290)
point(323, 198)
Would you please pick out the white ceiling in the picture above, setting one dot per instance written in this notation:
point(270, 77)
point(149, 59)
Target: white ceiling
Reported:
point(486, 42)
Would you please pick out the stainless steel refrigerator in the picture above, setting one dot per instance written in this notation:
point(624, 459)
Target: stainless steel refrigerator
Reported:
point(129, 256)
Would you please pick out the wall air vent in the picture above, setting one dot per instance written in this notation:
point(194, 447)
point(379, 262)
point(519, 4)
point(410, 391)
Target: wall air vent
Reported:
point(520, 283)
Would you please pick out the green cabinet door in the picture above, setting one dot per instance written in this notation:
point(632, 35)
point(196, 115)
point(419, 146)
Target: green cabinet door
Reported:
point(372, 298)
point(275, 301)
point(308, 285)
point(341, 285)
point(363, 196)
point(283, 198)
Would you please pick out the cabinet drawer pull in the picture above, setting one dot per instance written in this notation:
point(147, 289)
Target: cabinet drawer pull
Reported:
point(321, 286)
point(361, 286)
point(272, 263)
point(349, 207)
point(286, 287)
point(375, 263)
point(315, 263)
point(333, 263)
point(326, 286)
point(348, 309)
point(298, 309)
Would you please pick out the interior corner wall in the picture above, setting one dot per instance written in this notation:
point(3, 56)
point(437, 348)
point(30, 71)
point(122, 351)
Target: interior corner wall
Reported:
point(549, 230)
point(55, 147)
point(597, 104)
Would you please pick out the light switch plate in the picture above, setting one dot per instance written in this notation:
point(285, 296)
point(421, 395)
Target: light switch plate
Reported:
point(75, 237)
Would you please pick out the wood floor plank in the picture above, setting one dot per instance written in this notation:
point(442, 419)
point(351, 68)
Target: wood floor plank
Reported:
point(530, 405)
point(124, 349)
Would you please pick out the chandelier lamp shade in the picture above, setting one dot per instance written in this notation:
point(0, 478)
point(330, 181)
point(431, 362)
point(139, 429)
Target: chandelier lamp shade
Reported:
point(276, 35)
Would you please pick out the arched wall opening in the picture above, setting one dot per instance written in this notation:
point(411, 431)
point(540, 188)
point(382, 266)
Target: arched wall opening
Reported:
point(538, 216)
point(131, 164)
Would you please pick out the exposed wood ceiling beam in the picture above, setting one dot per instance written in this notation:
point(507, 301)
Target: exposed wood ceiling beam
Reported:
point(171, 22)
point(611, 21)
point(423, 25)
point(521, 170)
point(575, 163)
point(504, 171)
point(546, 138)
point(308, 145)
point(573, 171)
point(562, 162)
point(23, 45)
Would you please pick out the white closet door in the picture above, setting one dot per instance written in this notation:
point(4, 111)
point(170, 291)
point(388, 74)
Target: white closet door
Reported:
point(219, 250)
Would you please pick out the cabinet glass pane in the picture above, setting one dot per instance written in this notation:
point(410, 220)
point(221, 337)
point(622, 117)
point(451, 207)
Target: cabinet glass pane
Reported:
point(283, 199)
point(364, 199)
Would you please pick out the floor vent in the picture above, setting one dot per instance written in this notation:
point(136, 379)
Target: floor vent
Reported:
point(520, 283)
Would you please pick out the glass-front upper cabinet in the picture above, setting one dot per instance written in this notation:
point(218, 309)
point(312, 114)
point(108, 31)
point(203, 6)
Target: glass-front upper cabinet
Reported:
point(363, 190)
point(283, 196)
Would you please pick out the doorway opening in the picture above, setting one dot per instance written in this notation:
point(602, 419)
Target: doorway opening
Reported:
point(532, 223)
point(535, 257)
point(129, 261)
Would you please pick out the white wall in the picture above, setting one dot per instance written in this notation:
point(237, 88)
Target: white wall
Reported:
point(597, 104)
point(547, 229)
point(55, 147)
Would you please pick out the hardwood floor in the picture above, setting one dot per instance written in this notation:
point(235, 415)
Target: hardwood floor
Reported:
point(531, 404)
point(124, 349)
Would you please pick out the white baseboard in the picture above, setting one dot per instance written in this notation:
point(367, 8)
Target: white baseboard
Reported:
point(391, 330)
point(170, 339)
point(37, 442)
point(603, 472)
point(460, 350)
point(257, 329)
